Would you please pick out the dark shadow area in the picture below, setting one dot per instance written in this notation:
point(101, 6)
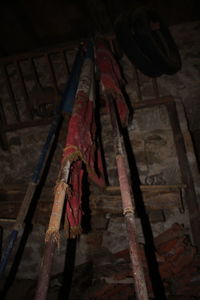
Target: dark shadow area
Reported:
point(86, 217)
point(67, 275)
point(28, 223)
point(98, 106)
point(195, 135)
point(156, 280)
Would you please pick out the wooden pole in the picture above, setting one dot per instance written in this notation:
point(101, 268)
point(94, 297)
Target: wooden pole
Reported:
point(52, 235)
point(128, 208)
point(190, 193)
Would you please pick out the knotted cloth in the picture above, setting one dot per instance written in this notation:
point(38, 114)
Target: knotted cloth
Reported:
point(81, 147)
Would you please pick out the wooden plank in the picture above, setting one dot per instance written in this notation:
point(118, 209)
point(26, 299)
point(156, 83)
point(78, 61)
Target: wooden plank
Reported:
point(138, 87)
point(52, 71)
point(190, 193)
point(40, 52)
point(9, 210)
point(166, 187)
point(99, 203)
point(152, 200)
point(11, 93)
point(155, 87)
point(13, 127)
point(66, 61)
point(24, 89)
point(152, 102)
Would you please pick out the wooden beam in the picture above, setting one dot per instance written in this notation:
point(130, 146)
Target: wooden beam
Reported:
point(40, 52)
point(190, 193)
point(13, 127)
point(152, 102)
point(166, 187)
point(154, 200)
point(104, 202)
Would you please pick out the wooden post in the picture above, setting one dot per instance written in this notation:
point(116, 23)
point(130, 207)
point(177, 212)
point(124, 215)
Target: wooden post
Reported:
point(52, 235)
point(128, 209)
point(24, 89)
point(191, 197)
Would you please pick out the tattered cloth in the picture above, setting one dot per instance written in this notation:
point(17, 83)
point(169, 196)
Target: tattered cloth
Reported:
point(110, 77)
point(81, 147)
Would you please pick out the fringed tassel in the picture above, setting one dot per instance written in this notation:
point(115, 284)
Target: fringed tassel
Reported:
point(54, 235)
point(54, 223)
point(72, 231)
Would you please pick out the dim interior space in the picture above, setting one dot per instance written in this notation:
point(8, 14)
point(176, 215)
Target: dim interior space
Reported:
point(99, 150)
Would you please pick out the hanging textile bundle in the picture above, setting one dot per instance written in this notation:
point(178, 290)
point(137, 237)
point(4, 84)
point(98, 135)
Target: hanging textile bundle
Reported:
point(81, 146)
point(110, 78)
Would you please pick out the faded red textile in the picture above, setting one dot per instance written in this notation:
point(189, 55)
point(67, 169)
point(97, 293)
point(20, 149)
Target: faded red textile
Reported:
point(81, 146)
point(110, 77)
point(73, 207)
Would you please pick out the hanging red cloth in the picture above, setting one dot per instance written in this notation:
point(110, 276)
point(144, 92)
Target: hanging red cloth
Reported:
point(110, 77)
point(81, 147)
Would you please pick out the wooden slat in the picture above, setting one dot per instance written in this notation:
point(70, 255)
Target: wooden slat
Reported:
point(24, 89)
point(3, 121)
point(27, 124)
point(138, 87)
point(165, 187)
point(152, 102)
point(190, 193)
point(35, 73)
point(155, 87)
point(66, 61)
point(10, 92)
point(52, 71)
point(104, 202)
point(152, 200)
point(39, 52)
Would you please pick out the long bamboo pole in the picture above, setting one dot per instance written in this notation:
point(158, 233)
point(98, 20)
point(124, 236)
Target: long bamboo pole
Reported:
point(52, 236)
point(128, 207)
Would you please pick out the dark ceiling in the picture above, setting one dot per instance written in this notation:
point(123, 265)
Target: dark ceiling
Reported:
point(25, 25)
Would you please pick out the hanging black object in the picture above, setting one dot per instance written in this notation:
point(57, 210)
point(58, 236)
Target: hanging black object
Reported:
point(148, 43)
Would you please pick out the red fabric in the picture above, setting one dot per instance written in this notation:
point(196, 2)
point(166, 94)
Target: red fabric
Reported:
point(81, 145)
point(81, 137)
point(110, 77)
point(74, 212)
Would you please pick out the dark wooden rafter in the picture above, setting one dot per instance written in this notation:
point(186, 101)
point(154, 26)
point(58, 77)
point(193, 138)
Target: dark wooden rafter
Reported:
point(63, 52)
point(190, 193)
point(3, 137)
point(138, 87)
point(35, 73)
point(10, 92)
point(52, 72)
point(24, 89)
point(191, 196)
